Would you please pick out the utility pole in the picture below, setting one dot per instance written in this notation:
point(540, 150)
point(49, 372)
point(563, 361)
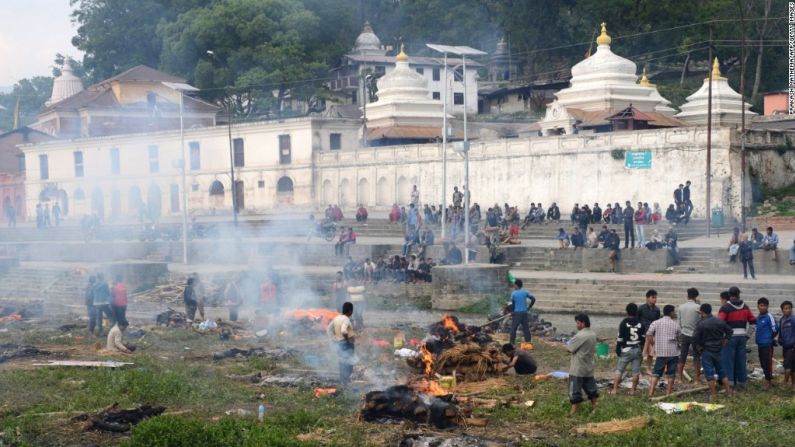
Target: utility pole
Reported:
point(709, 137)
point(231, 160)
point(743, 213)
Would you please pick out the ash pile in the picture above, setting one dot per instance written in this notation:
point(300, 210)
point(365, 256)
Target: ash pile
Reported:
point(401, 402)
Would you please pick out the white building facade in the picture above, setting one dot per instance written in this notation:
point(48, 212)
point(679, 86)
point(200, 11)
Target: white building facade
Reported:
point(130, 176)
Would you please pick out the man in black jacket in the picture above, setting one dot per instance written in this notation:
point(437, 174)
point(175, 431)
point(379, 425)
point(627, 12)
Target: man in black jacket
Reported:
point(553, 214)
point(678, 195)
point(629, 228)
point(711, 335)
point(596, 217)
point(687, 202)
point(629, 347)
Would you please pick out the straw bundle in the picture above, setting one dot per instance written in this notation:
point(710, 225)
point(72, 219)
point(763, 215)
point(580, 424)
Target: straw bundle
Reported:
point(613, 426)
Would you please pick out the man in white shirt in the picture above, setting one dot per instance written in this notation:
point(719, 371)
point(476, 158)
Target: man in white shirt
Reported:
point(115, 340)
point(340, 331)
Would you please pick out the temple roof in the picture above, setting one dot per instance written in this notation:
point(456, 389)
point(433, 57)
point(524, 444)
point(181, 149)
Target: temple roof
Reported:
point(367, 42)
point(727, 104)
point(65, 85)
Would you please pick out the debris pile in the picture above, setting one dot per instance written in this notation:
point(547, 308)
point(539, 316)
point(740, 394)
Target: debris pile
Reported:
point(171, 317)
point(400, 402)
point(18, 311)
point(538, 326)
point(9, 351)
point(115, 419)
point(309, 321)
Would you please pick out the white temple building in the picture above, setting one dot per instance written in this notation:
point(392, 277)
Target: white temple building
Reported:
point(600, 86)
point(727, 104)
point(403, 110)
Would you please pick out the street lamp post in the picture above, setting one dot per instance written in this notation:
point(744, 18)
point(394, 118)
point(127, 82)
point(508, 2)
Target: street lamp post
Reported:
point(462, 51)
point(181, 88)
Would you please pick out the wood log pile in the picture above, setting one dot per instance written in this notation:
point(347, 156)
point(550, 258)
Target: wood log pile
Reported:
point(400, 402)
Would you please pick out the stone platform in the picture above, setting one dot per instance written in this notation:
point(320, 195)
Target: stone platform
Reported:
point(456, 286)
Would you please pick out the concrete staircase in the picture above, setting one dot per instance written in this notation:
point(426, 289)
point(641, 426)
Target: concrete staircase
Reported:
point(563, 292)
point(26, 283)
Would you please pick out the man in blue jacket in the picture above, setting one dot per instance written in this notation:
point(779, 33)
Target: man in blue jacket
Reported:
point(766, 331)
point(519, 312)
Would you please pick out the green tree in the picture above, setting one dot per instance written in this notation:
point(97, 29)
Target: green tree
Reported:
point(32, 94)
point(271, 50)
point(118, 34)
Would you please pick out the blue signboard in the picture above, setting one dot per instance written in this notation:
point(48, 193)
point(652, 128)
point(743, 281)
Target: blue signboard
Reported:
point(637, 159)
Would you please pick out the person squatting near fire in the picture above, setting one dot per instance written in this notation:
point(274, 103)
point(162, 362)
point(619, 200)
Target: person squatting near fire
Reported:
point(115, 341)
point(340, 332)
point(519, 308)
point(520, 360)
point(581, 371)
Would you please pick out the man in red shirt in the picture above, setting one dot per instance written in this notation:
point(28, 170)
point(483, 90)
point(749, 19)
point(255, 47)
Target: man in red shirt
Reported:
point(734, 358)
point(119, 299)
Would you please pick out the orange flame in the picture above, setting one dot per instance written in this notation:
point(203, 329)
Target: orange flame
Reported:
point(430, 387)
point(321, 317)
point(427, 358)
point(449, 323)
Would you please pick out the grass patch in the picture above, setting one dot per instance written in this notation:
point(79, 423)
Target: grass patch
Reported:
point(489, 305)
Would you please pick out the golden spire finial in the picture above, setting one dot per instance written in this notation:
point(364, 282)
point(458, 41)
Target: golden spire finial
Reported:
point(716, 69)
point(603, 38)
point(644, 80)
point(402, 56)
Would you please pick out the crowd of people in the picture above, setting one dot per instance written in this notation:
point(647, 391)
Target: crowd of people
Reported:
point(106, 304)
point(716, 343)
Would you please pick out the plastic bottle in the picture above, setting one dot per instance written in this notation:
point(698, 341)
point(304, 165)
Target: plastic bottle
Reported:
point(261, 412)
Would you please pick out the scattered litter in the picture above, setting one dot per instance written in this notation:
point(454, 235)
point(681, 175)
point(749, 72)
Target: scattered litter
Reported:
point(559, 375)
point(319, 392)
point(613, 426)
point(136, 333)
point(526, 346)
point(209, 325)
point(681, 407)
point(406, 353)
point(380, 343)
point(262, 333)
point(13, 317)
point(529, 403)
point(115, 419)
point(239, 412)
point(756, 374)
point(85, 363)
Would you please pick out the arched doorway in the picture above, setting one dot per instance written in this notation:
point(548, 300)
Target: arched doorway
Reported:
point(383, 196)
point(134, 199)
point(155, 200)
point(98, 203)
point(284, 190)
point(364, 192)
point(63, 199)
point(216, 195)
point(403, 191)
point(328, 193)
point(346, 193)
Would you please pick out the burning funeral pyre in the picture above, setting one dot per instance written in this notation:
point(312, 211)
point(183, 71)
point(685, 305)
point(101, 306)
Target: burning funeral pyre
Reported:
point(451, 351)
point(454, 348)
